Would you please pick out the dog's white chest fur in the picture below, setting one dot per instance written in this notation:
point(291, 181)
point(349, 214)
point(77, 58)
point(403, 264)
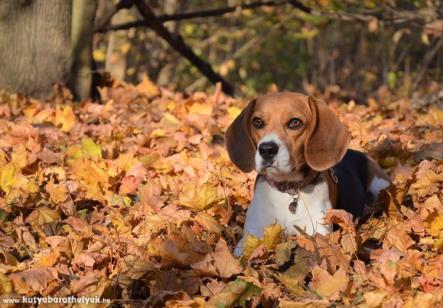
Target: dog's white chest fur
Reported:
point(269, 206)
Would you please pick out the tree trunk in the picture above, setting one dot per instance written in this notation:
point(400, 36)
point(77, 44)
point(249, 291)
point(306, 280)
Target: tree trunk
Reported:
point(43, 42)
point(34, 45)
point(83, 15)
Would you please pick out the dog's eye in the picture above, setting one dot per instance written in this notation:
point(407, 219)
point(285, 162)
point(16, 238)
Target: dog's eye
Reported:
point(258, 123)
point(294, 123)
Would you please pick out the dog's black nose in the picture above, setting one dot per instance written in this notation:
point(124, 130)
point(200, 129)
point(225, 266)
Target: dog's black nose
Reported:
point(268, 150)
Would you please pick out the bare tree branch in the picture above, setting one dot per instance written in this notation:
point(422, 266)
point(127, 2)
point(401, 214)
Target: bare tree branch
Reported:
point(104, 20)
point(385, 14)
point(177, 43)
point(206, 13)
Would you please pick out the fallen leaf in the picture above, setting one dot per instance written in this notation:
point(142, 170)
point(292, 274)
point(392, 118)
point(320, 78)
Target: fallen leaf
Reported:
point(43, 215)
point(237, 291)
point(199, 197)
point(329, 286)
point(35, 280)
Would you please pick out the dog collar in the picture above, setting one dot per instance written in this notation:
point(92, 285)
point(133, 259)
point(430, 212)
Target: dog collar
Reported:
point(293, 187)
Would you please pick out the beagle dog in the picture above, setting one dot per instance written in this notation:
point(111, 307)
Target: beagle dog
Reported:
point(298, 147)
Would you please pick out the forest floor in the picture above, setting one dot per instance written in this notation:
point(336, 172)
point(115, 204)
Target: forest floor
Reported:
point(134, 198)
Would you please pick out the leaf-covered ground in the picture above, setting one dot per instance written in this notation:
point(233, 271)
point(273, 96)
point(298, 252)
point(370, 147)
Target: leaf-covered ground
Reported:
point(134, 198)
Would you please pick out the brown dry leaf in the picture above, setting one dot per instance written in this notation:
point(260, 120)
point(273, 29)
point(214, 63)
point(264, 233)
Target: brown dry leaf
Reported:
point(341, 218)
point(305, 242)
point(90, 278)
point(149, 198)
point(226, 264)
point(375, 298)
point(332, 255)
point(35, 280)
point(209, 222)
point(387, 264)
point(431, 205)
point(236, 292)
point(181, 248)
point(221, 262)
point(174, 281)
point(398, 237)
point(60, 244)
point(132, 180)
point(329, 286)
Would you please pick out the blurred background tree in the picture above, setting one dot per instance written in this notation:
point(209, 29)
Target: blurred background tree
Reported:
point(351, 48)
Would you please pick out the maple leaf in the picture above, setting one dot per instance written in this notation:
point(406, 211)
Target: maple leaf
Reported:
point(147, 87)
point(375, 298)
point(272, 235)
point(169, 201)
point(250, 243)
point(221, 262)
point(329, 286)
point(35, 280)
point(398, 237)
point(341, 218)
point(43, 215)
point(57, 192)
point(237, 291)
point(199, 197)
point(93, 176)
point(64, 117)
point(283, 252)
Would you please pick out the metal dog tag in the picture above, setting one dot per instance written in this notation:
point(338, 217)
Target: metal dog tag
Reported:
point(293, 204)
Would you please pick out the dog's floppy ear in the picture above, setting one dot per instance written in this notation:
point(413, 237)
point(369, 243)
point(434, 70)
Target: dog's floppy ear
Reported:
point(328, 138)
point(241, 148)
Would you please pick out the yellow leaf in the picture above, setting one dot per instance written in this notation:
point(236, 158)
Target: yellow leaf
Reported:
point(92, 176)
point(294, 277)
point(199, 197)
point(64, 117)
point(209, 222)
point(7, 174)
point(125, 161)
point(157, 133)
point(283, 252)
point(19, 157)
point(147, 87)
point(5, 284)
point(57, 192)
point(438, 244)
point(43, 215)
point(169, 121)
point(436, 225)
point(272, 235)
point(250, 243)
point(90, 148)
point(99, 55)
point(201, 108)
point(388, 162)
point(46, 259)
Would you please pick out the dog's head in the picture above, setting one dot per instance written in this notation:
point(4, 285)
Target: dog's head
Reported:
point(284, 135)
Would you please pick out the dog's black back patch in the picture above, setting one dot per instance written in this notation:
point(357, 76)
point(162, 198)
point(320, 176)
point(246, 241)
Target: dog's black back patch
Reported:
point(352, 174)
